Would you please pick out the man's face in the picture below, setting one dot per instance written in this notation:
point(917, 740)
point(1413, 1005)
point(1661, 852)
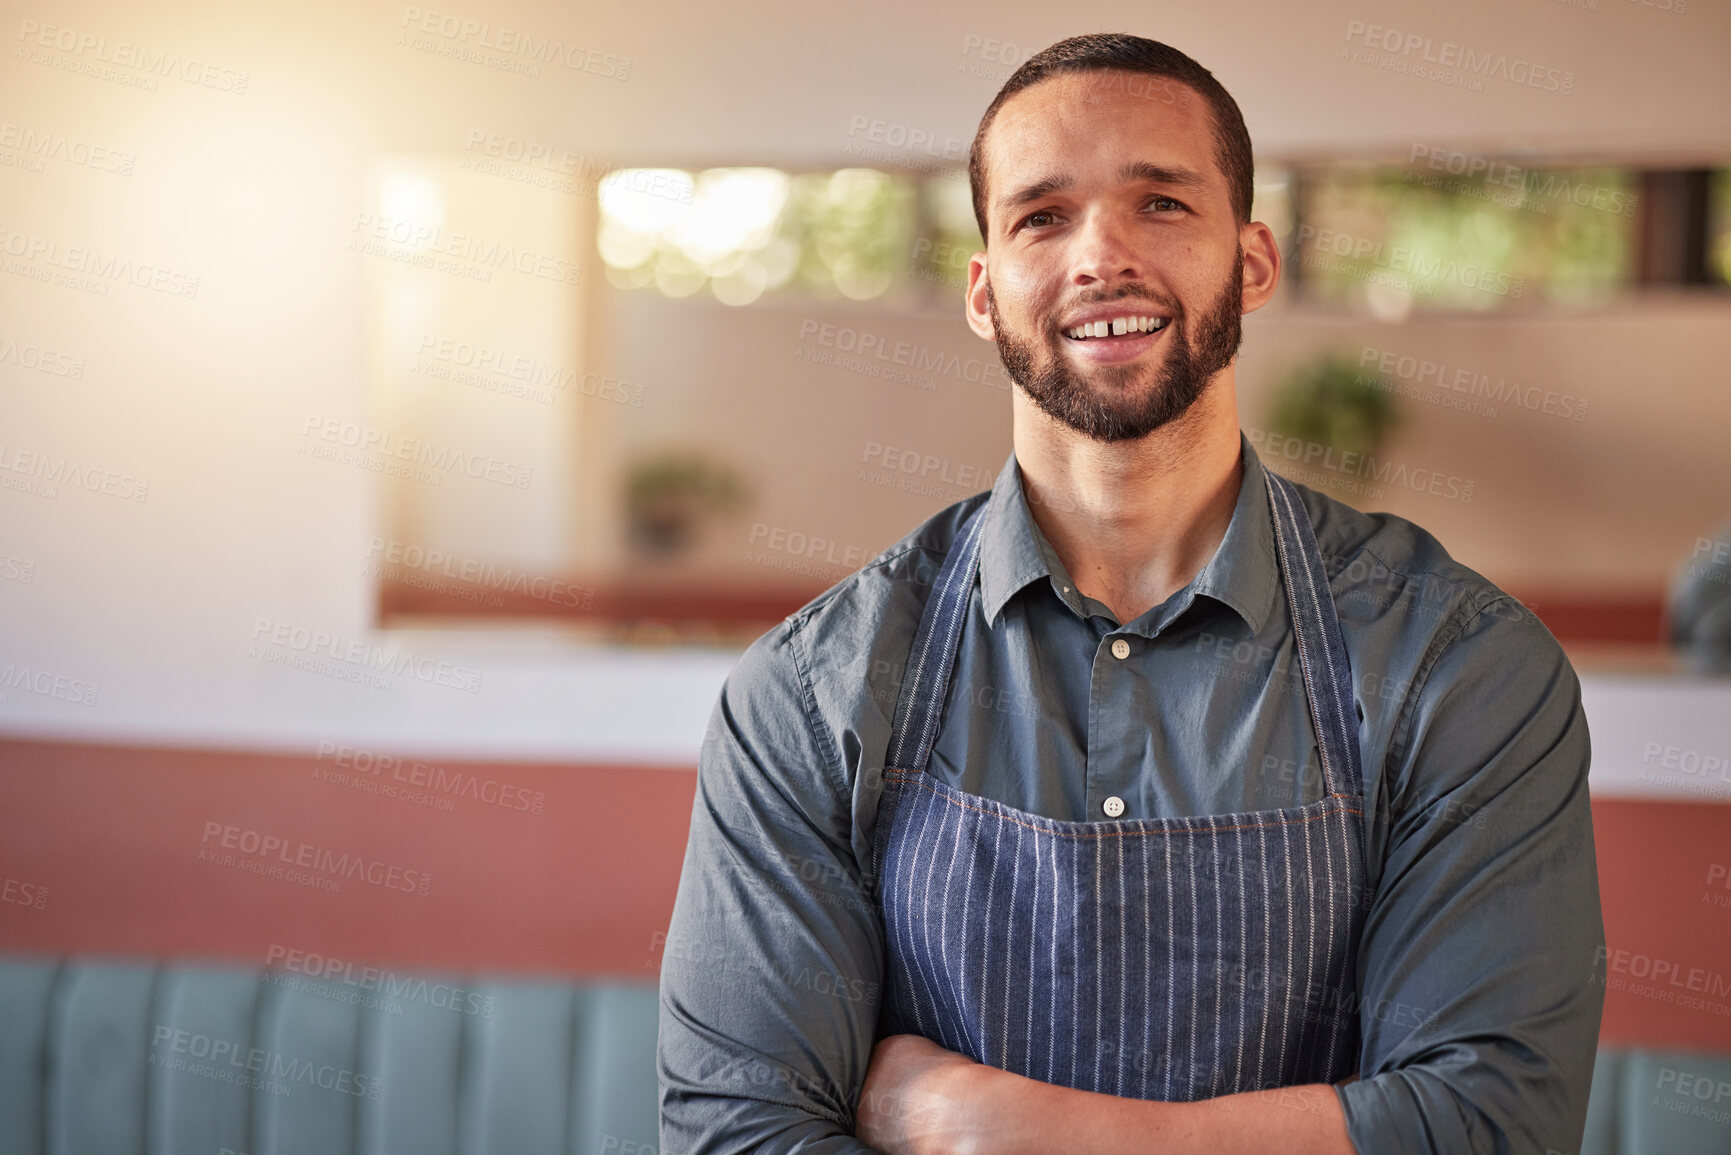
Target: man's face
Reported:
point(1104, 202)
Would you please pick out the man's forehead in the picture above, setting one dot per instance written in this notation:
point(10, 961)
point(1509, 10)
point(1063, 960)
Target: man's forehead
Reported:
point(1104, 109)
point(1095, 94)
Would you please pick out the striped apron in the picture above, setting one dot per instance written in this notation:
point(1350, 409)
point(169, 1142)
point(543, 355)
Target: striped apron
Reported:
point(1163, 958)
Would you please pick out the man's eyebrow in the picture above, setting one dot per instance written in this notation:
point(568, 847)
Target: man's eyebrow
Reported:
point(1136, 170)
point(1045, 186)
point(1141, 170)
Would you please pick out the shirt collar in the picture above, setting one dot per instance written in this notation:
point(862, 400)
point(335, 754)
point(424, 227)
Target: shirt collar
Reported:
point(1243, 574)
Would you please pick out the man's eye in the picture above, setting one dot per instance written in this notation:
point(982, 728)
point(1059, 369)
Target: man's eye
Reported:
point(1035, 218)
point(1159, 201)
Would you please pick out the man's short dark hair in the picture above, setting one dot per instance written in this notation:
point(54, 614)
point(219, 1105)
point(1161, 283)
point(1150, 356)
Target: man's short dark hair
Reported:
point(1121, 52)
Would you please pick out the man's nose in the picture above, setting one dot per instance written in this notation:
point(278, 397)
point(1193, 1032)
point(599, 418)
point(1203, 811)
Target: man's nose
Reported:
point(1104, 252)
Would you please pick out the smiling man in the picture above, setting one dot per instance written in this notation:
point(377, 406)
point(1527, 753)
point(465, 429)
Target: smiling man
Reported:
point(1148, 801)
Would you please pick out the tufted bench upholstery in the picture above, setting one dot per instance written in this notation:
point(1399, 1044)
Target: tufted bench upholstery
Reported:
point(129, 1058)
point(1659, 1103)
point(116, 1058)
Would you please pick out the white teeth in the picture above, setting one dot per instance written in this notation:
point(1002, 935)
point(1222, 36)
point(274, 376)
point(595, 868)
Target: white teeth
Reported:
point(1117, 326)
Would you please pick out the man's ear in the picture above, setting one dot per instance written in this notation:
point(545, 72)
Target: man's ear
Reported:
point(1261, 264)
point(978, 300)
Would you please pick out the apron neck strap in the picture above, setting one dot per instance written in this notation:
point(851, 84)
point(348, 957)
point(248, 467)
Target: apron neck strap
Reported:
point(1316, 631)
point(926, 680)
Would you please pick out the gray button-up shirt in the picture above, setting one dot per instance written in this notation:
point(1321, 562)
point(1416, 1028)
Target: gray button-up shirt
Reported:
point(1479, 1011)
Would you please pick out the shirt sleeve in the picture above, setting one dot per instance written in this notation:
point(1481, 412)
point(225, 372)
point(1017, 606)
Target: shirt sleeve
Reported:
point(772, 966)
point(1479, 1012)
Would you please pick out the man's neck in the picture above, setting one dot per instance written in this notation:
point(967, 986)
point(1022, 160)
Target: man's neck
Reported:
point(1133, 521)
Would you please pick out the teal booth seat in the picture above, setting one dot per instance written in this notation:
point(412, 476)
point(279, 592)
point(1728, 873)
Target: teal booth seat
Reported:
point(1648, 1102)
point(107, 1058)
point(121, 1058)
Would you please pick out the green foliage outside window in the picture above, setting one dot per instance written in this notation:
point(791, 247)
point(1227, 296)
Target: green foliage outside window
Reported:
point(1391, 239)
point(1719, 227)
point(853, 228)
point(742, 232)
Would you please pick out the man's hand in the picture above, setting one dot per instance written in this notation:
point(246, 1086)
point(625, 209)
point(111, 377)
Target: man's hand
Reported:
point(918, 1098)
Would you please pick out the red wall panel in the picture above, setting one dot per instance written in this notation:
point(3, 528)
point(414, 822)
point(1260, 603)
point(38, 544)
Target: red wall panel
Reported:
point(100, 852)
point(129, 845)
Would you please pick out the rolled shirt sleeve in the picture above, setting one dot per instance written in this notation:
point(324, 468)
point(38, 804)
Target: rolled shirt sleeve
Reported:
point(773, 961)
point(1479, 1009)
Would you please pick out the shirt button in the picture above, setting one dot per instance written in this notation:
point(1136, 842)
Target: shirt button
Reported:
point(1120, 649)
point(1113, 806)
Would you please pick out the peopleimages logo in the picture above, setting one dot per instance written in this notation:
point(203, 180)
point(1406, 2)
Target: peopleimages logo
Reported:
point(810, 547)
point(912, 461)
point(233, 1062)
point(436, 779)
point(1411, 268)
point(21, 893)
point(1668, 979)
point(354, 655)
point(85, 47)
point(1459, 58)
point(40, 359)
point(38, 146)
point(905, 354)
point(387, 235)
point(401, 562)
point(327, 969)
point(35, 680)
point(530, 370)
point(898, 136)
point(1426, 375)
point(1693, 771)
point(527, 47)
point(51, 472)
point(91, 269)
point(304, 855)
point(1536, 184)
point(1348, 464)
point(374, 445)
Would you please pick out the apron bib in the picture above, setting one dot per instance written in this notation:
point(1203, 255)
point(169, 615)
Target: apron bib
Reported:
point(1169, 958)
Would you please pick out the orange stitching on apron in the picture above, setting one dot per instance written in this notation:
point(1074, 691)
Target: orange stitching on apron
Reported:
point(913, 775)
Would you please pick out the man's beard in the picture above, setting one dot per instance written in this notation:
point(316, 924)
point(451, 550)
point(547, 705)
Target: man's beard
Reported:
point(1121, 411)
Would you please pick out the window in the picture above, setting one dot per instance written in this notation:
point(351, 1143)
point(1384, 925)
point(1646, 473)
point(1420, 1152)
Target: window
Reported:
point(1465, 234)
point(854, 234)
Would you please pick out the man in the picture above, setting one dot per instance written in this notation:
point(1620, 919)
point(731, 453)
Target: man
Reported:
point(1147, 802)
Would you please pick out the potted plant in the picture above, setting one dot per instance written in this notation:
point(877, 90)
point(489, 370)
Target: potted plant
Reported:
point(671, 492)
point(1333, 403)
